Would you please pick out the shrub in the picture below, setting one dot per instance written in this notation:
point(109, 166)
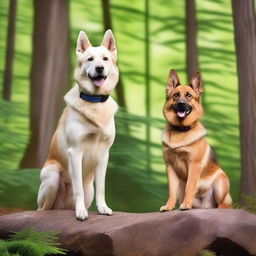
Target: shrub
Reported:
point(207, 253)
point(249, 203)
point(30, 243)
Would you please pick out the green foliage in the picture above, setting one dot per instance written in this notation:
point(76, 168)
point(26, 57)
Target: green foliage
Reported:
point(130, 185)
point(31, 243)
point(207, 253)
point(24, 183)
point(249, 203)
point(13, 133)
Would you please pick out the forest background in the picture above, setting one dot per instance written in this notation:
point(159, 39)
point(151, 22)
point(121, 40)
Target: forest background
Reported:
point(37, 59)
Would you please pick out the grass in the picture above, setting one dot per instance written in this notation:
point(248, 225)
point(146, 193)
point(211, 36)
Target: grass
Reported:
point(130, 187)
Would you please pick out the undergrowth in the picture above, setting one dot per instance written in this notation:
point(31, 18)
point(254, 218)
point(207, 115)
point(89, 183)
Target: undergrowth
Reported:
point(249, 203)
point(207, 253)
point(31, 243)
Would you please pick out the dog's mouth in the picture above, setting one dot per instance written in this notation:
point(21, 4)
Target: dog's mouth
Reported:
point(98, 80)
point(182, 110)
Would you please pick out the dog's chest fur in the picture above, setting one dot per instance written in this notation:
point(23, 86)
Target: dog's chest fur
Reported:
point(178, 159)
point(89, 127)
point(177, 149)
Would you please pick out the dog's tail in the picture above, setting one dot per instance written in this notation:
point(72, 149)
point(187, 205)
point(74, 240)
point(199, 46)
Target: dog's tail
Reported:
point(50, 180)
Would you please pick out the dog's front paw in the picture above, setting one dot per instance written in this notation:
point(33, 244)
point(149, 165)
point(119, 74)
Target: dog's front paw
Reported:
point(81, 214)
point(166, 208)
point(104, 210)
point(185, 206)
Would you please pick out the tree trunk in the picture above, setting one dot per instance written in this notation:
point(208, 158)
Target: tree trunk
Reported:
point(191, 32)
point(49, 76)
point(10, 51)
point(108, 25)
point(245, 42)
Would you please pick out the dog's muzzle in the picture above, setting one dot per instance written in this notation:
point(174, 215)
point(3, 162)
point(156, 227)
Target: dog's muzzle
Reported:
point(182, 109)
point(98, 79)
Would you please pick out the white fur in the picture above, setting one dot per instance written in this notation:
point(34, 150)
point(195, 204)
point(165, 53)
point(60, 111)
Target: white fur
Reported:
point(85, 68)
point(88, 148)
point(84, 136)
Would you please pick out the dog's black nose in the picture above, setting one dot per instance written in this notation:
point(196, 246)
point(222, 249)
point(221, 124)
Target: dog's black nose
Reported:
point(99, 69)
point(181, 104)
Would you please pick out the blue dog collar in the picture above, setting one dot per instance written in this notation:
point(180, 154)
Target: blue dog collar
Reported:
point(93, 98)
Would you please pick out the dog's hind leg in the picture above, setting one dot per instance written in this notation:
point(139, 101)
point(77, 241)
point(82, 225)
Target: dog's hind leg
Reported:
point(50, 179)
point(205, 200)
point(88, 192)
point(221, 191)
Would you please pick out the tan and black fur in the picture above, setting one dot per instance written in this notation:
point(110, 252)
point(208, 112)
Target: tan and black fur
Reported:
point(194, 176)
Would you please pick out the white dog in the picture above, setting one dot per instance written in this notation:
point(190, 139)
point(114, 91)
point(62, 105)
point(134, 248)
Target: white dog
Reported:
point(80, 146)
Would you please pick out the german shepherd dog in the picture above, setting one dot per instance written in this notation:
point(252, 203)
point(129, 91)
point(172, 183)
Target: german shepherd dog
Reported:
point(80, 146)
point(194, 176)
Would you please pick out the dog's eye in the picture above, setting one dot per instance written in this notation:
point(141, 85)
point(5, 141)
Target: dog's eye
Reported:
point(176, 95)
point(105, 58)
point(90, 59)
point(188, 95)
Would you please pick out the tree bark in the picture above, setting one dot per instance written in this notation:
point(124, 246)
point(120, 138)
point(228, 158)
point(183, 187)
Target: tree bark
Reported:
point(245, 43)
point(10, 51)
point(49, 76)
point(191, 34)
point(108, 25)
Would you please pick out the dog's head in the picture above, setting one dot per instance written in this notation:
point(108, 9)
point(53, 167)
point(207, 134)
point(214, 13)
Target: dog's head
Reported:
point(96, 71)
point(182, 107)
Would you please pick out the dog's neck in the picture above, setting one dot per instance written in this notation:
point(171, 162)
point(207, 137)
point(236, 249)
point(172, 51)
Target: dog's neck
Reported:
point(175, 139)
point(181, 128)
point(93, 98)
point(91, 110)
point(184, 128)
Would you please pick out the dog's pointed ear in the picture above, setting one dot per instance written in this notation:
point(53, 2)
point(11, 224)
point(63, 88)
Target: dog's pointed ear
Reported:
point(172, 82)
point(196, 83)
point(82, 43)
point(109, 41)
